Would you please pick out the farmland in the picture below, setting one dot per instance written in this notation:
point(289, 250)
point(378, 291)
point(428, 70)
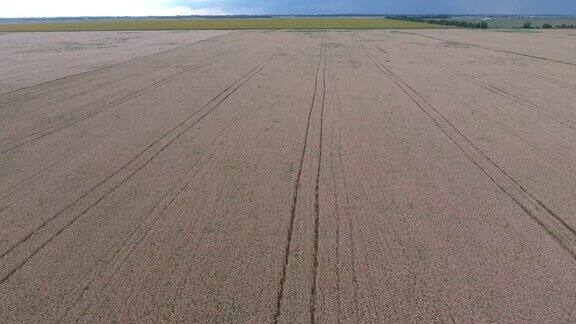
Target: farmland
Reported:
point(516, 23)
point(214, 24)
point(288, 176)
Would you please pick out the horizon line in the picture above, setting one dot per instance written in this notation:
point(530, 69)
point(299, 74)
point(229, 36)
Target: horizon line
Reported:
point(297, 14)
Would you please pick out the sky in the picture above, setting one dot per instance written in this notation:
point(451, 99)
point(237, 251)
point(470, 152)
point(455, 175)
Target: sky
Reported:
point(67, 8)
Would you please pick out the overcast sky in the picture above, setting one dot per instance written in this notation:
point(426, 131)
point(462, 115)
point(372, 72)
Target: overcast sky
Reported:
point(55, 8)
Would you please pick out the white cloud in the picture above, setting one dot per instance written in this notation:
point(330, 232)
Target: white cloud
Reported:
point(207, 11)
point(68, 8)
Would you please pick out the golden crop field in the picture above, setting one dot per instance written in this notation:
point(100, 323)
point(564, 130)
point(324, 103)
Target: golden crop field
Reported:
point(218, 24)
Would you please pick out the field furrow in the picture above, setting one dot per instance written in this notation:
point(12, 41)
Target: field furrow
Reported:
point(288, 176)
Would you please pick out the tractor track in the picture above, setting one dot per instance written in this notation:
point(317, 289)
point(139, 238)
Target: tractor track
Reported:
point(176, 133)
point(42, 133)
point(303, 176)
point(289, 236)
point(146, 227)
point(552, 223)
point(313, 293)
point(28, 180)
point(547, 59)
point(111, 66)
point(337, 153)
point(518, 102)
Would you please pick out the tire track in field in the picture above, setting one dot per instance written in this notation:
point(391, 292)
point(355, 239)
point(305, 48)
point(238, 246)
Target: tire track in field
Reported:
point(552, 223)
point(537, 35)
point(145, 228)
point(39, 134)
point(516, 101)
point(382, 50)
point(66, 113)
point(337, 123)
point(496, 49)
point(357, 244)
point(28, 180)
point(290, 232)
point(335, 191)
point(146, 156)
point(181, 187)
point(181, 281)
point(313, 301)
point(535, 75)
point(19, 100)
point(110, 66)
point(103, 83)
point(556, 82)
point(356, 249)
point(522, 103)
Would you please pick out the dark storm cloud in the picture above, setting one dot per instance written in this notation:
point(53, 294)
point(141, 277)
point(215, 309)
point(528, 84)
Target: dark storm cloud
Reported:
point(385, 6)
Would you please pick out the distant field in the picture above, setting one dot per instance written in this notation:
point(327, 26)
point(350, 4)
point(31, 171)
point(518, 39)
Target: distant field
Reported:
point(510, 23)
point(217, 24)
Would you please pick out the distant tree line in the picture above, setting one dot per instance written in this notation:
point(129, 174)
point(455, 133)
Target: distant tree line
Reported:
point(442, 20)
point(528, 25)
point(446, 21)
